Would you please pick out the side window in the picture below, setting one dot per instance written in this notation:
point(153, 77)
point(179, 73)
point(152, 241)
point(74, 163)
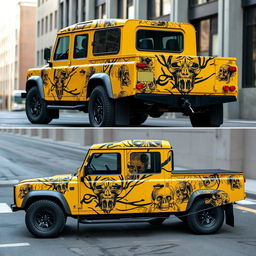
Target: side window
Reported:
point(145, 162)
point(81, 47)
point(106, 41)
point(106, 163)
point(62, 49)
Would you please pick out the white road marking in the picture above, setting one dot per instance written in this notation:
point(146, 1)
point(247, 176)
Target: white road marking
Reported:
point(247, 202)
point(4, 208)
point(14, 245)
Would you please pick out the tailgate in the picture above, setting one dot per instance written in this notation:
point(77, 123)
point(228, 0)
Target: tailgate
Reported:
point(186, 75)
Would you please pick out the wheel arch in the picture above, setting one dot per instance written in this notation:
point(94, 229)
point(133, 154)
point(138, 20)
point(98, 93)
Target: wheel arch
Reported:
point(35, 81)
point(100, 79)
point(203, 193)
point(54, 196)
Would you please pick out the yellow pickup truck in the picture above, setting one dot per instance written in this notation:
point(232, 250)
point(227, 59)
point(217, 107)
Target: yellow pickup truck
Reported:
point(132, 180)
point(122, 71)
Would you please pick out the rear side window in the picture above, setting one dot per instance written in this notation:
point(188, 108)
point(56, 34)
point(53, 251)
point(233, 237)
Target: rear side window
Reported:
point(62, 49)
point(81, 47)
point(106, 41)
point(159, 41)
point(145, 162)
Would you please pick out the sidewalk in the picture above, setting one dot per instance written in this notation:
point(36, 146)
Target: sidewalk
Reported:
point(250, 188)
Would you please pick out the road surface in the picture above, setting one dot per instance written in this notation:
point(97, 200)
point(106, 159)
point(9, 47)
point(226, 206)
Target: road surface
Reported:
point(80, 119)
point(23, 157)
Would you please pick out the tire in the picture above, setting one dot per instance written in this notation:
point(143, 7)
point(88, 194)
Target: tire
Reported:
point(45, 219)
point(139, 118)
point(101, 108)
point(157, 221)
point(36, 108)
point(205, 218)
point(212, 117)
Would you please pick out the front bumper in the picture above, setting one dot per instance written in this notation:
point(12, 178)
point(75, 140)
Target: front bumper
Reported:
point(177, 101)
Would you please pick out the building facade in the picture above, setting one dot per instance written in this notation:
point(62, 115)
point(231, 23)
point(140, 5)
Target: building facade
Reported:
point(224, 28)
point(17, 19)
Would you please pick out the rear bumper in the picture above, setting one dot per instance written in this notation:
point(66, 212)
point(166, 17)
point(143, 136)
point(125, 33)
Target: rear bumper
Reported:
point(176, 101)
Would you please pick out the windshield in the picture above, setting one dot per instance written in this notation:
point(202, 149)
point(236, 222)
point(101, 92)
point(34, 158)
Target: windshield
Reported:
point(19, 100)
point(160, 41)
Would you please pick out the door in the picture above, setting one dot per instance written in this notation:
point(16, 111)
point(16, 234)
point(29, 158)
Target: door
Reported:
point(146, 191)
point(101, 186)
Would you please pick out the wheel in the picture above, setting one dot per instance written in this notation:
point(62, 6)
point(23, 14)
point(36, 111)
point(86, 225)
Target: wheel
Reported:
point(205, 218)
point(45, 218)
point(139, 118)
point(157, 221)
point(212, 117)
point(101, 109)
point(36, 108)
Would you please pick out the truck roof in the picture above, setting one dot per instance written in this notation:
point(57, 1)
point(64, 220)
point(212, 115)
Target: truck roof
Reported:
point(105, 23)
point(132, 144)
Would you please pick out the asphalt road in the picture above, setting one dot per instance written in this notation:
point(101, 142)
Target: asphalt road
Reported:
point(22, 157)
point(80, 119)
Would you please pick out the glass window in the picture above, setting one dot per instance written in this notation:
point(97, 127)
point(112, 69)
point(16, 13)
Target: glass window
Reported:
point(207, 36)
point(250, 47)
point(81, 47)
point(106, 41)
point(106, 163)
point(145, 162)
point(62, 50)
point(156, 40)
point(158, 8)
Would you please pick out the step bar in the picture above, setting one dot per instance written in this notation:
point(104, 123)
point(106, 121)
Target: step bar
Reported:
point(77, 107)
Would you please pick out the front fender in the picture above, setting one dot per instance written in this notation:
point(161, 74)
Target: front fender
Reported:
point(35, 81)
point(42, 194)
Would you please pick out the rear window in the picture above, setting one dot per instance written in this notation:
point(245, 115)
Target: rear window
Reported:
point(160, 41)
point(106, 41)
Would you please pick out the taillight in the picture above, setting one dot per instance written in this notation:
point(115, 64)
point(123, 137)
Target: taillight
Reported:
point(140, 86)
point(232, 88)
point(244, 180)
point(232, 69)
point(226, 88)
point(141, 65)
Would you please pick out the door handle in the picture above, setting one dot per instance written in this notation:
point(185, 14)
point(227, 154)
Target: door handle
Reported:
point(158, 186)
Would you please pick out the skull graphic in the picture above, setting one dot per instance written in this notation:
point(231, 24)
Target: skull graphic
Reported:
point(224, 74)
point(124, 76)
point(183, 191)
point(162, 198)
point(107, 194)
point(25, 189)
point(60, 78)
point(210, 181)
point(184, 71)
point(218, 199)
point(234, 183)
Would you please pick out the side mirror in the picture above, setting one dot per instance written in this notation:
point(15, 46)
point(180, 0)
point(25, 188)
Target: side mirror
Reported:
point(47, 54)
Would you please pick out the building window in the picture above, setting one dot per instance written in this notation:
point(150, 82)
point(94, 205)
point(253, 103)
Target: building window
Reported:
point(67, 13)
point(100, 10)
point(158, 8)
point(56, 19)
point(51, 20)
point(194, 3)
point(42, 27)
point(42, 57)
point(38, 58)
point(207, 36)
point(38, 28)
point(83, 9)
point(250, 47)
point(46, 24)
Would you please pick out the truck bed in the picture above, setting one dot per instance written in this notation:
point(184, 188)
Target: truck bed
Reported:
point(203, 171)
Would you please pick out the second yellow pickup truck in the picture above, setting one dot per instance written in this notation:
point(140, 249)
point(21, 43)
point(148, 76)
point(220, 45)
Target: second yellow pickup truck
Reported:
point(122, 71)
point(132, 179)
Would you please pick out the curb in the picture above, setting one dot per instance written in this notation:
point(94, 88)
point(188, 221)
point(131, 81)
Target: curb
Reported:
point(250, 195)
